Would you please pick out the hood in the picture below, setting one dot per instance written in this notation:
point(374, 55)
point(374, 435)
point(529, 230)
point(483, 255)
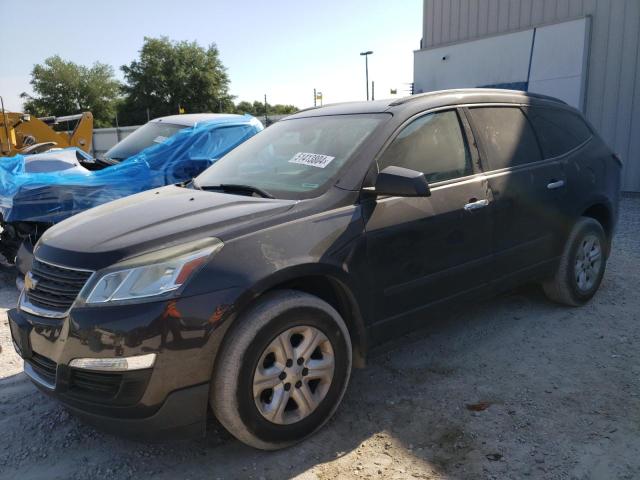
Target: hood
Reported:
point(148, 221)
point(67, 160)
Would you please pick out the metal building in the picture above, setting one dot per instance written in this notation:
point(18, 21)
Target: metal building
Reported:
point(582, 51)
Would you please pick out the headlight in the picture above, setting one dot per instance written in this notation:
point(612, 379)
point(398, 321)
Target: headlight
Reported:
point(153, 274)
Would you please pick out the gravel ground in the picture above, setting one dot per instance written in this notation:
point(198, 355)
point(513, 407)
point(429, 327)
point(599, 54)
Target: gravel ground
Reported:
point(515, 387)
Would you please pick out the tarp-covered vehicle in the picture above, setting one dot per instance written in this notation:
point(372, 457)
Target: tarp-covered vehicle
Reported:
point(37, 191)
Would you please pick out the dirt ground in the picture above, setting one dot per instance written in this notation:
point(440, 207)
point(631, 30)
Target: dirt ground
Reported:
point(515, 387)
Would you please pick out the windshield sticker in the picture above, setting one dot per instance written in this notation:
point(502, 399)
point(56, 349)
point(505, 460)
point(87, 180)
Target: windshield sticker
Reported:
point(312, 159)
point(160, 139)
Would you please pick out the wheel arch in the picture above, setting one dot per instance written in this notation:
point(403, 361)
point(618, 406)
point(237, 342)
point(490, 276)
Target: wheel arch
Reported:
point(602, 212)
point(328, 283)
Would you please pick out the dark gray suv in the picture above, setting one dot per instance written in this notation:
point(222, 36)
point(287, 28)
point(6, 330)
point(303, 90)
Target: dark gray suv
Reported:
point(251, 291)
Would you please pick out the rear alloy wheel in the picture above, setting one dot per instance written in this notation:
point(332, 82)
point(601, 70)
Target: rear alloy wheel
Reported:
point(282, 370)
point(581, 265)
point(588, 263)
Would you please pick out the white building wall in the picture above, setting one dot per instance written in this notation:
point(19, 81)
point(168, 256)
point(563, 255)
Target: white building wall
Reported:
point(612, 76)
point(551, 60)
point(489, 61)
point(559, 61)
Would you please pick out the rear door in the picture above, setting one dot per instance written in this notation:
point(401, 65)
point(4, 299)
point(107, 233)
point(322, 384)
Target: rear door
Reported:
point(566, 138)
point(425, 250)
point(527, 190)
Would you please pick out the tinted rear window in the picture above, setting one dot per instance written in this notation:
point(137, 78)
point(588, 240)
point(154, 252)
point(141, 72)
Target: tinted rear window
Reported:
point(506, 135)
point(558, 130)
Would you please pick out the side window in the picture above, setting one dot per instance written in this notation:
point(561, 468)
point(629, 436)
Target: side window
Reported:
point(506, 135)
point(432, 144)
point(558, 130)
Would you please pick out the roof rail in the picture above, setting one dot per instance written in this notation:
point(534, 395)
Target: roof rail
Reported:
point(411, 98)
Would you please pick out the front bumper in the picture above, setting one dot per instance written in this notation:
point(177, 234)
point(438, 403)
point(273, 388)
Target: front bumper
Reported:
point(169, 398)
point(182, 415)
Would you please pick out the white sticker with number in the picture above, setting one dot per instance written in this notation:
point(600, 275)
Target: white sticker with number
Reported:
point(312, 159)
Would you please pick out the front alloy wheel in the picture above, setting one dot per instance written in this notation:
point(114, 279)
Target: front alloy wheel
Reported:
point(282, 370)
point(293, 375)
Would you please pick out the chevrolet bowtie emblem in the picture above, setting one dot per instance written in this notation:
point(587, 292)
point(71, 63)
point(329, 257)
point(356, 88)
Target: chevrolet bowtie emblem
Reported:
point(30, 283)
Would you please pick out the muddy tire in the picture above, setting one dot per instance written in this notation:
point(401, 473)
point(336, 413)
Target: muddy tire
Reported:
point(581, 266)
point(282, 370)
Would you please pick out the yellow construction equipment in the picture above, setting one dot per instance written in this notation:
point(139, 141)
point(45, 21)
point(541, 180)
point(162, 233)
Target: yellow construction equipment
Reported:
point(24, 133)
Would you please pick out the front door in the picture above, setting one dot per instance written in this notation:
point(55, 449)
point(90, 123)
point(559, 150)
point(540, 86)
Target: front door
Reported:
point(424, 250)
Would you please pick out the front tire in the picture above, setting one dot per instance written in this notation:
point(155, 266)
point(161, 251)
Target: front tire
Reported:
point(282, 370)
point(581, 266)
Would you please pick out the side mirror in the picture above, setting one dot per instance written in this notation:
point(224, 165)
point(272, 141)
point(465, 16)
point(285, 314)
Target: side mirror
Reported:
point(401, 182)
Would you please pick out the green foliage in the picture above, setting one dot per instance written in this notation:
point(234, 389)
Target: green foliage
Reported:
point(170, 76)
point(245, 107)
point(167, 76)
point(257, 108)
point(64, 88)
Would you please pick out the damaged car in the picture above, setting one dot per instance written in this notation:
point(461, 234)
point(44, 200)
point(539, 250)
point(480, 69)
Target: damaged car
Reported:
point(252, 291)
point(37, 191)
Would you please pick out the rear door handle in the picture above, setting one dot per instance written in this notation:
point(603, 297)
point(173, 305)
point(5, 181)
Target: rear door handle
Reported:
point(477, 204)
point(555, 184)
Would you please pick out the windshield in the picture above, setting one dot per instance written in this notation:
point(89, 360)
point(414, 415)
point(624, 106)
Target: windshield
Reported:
point(145, 136)
point(293, 158)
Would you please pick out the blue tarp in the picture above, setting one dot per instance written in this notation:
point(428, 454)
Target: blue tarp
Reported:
point(52, 197)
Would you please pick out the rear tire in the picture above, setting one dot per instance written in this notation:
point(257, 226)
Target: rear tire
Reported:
point(261, 392)
point(581, 266)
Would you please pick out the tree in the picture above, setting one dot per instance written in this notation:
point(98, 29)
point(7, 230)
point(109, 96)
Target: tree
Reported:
point(257, 108)
point(245, 107)
point(63, 88)
point(170, 77)
point(279, 109)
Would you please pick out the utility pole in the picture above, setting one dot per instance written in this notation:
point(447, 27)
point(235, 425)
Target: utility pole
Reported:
point(366, 68)
point(314, 97)
point(266, 119)
point(6, 127)
point(117, 128)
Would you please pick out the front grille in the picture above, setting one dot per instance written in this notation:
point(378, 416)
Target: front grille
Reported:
point(44, 367)
point(54, 287)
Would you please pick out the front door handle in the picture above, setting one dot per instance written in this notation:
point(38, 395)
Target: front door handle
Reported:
point(475, 205)
point(555, 184)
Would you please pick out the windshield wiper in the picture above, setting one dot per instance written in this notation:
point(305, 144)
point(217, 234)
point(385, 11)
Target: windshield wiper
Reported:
point(233, 187)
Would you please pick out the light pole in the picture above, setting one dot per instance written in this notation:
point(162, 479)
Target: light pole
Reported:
point(366, 68)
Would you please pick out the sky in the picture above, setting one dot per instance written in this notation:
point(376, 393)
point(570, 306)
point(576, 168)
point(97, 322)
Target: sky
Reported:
point(282, 48)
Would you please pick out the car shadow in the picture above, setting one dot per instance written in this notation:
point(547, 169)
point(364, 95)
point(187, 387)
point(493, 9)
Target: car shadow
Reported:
point(8, 292)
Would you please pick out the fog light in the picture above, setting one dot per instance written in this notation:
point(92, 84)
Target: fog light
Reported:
point(119, 364)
